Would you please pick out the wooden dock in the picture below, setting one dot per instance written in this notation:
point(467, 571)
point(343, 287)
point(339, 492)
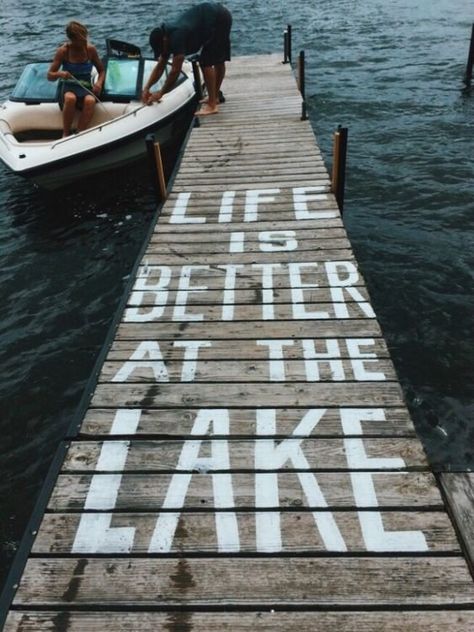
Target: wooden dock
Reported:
point(247, 460)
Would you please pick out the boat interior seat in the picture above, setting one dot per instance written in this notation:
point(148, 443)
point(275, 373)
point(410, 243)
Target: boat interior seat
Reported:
point(47, 117)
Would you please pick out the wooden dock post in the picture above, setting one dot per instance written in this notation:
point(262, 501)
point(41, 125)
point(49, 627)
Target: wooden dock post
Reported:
point(302, 84)
point(470, 60)
point(156, 166)
point(339, 165)
point(287, 45)
point(246, 461)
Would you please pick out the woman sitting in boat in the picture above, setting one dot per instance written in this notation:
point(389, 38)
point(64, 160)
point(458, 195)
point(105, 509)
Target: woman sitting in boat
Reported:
point(73, 63)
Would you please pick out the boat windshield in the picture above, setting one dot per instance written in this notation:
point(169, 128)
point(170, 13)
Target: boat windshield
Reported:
point(123, 81)
point(125, 78)
point(33, 85)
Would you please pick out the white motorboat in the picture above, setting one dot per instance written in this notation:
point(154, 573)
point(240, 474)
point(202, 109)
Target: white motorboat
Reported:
point(31, 120)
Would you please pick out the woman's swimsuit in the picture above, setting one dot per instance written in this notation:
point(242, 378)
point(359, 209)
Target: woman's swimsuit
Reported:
point(82, 72)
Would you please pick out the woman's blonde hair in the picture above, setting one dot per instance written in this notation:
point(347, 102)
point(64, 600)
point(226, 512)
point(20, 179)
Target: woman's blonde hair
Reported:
point(76, 31)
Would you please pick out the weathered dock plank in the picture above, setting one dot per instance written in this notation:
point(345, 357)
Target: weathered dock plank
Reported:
point(287, 581)
point(459, 488)
point(242, 349)
point(128, 395)
point(257, 455)
point(242, 422)
point(263, 621)
point(214, 371)
point(196, 532)
point(184, 328)
point(147, 492)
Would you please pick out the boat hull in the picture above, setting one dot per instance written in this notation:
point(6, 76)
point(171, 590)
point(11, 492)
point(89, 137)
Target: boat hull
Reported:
point(109, 157)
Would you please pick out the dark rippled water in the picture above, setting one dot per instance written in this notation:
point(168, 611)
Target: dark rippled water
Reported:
point(389, 71)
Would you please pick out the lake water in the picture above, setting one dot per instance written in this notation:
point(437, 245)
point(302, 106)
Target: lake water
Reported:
point(389, 71)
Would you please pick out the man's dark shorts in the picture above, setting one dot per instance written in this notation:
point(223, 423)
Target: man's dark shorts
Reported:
point(217, 49)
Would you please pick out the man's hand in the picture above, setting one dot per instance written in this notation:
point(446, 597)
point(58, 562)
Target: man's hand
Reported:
point(152, 97)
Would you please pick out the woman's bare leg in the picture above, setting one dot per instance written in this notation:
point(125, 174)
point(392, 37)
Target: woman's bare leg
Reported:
point(69, 110)
point(86, 113)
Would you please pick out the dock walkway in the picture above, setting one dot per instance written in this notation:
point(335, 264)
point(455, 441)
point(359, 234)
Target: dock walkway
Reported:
point(247, 460)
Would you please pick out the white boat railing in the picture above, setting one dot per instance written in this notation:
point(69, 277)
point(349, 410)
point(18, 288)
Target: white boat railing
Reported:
point(99, 126)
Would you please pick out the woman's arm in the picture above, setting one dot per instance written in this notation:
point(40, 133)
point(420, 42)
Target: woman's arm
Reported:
point(53, 72)
point(96, 60)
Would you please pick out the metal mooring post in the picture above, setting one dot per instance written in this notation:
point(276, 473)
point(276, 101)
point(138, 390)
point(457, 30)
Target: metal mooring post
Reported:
point(156, 166)
point(470, 60)
point(302, 84)
point(339, 166)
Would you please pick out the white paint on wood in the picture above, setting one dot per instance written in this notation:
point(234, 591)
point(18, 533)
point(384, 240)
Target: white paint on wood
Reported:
point(237, 242)
point(94, 533)
point(374, 534)
point(272, 456)
point(178, 216)
point(148, 355)
point(227, 203)
point(359, 366)
point(268, 312)
point(159, 288)
point(341, 276)
point(340, 307)
point(313, 359)
point(277, 240)
point(253, 198)
point(184, 289)
point(276, 365)
point(303, 195)
point(228, 299)
point(207, 422)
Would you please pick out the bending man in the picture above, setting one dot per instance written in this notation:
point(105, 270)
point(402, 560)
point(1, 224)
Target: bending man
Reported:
point(204, 28)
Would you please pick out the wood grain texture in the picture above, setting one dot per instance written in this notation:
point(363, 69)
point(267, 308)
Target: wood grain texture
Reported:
point(241, 349)
point(320, 454)
point(262, 621)
point(146, 492)
point(196, 532)
point(242, 422)
point(367, 370)
point(273, 312)
point(343, 582)
point(250, 330)
point(230, 395)
point(459, 489)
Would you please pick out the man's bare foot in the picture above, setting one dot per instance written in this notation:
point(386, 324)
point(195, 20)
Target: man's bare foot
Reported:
point(207, 109)
point(205, 100)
